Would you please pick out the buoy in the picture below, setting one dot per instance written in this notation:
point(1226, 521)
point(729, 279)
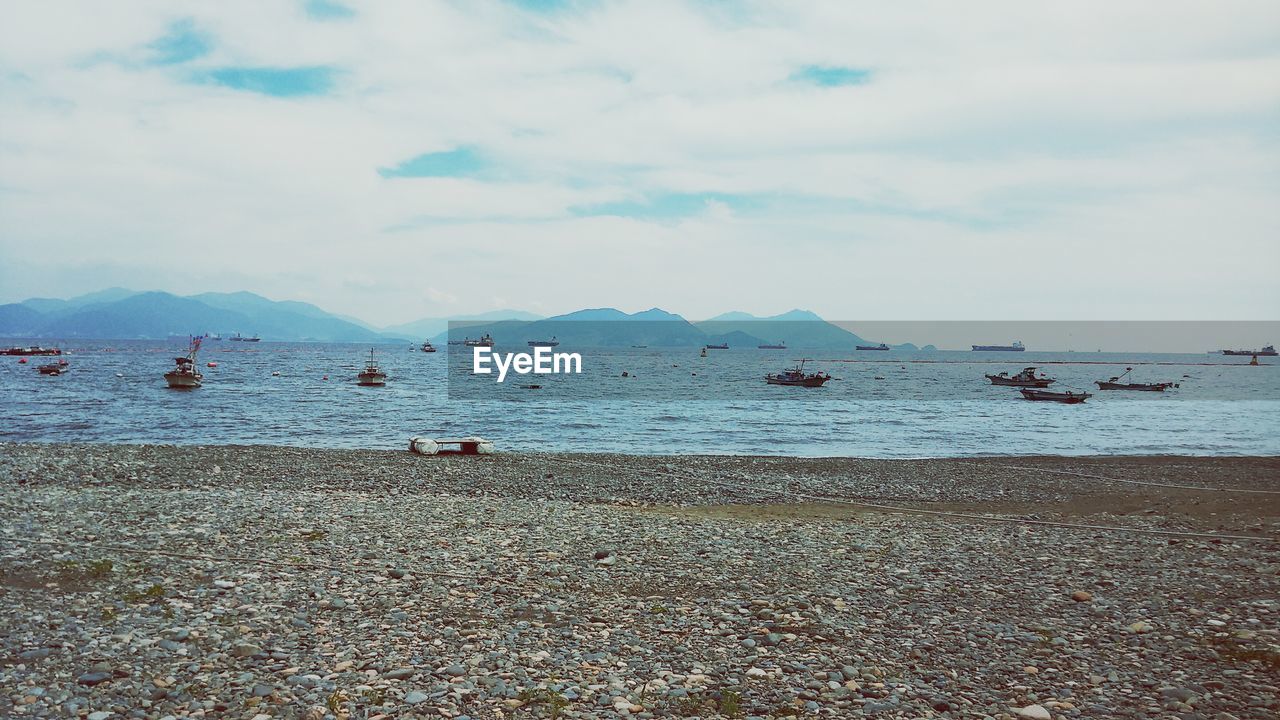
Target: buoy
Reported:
point(22, 361)
point(119, 374)
point(326, 377)
point(626, 374)
point(1254, 361)
point(275, 374)
point(211, 364)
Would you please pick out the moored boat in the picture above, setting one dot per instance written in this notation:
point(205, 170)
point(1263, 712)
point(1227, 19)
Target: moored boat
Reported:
point(1116, 384)
point(1068, 397)
point(881, 347)
point(54, 368)
point(1026, 378)
point(797, 377)
point(372, 375)
point(1017, 346)
point(185, 376)
point(485, 341)
point(553, 342)
point(1268, 351)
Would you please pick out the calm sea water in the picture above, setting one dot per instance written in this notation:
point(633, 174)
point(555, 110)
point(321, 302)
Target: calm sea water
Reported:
point(892, 404)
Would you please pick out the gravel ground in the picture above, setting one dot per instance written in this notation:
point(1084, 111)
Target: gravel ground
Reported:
point(263, 582)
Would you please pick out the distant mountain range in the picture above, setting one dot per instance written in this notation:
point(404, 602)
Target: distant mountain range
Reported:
point(118, 313)
point(609, 327)
point(122, 314)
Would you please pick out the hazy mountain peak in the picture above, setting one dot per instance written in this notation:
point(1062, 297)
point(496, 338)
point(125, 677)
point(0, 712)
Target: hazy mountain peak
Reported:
point(790, 315)
point(656, 314)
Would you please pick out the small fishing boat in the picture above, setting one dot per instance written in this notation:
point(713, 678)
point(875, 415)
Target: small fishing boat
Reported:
point(428, 347)
point(485, 341)
point(553, 342)
point(372, 375)
point(721, 346)
point(185, 376)
point(1116, 384)
point(779, 346)
point(797, 377)
point(1026, 378)
point(881, 347)
point(1068, 397)
point(54, 368)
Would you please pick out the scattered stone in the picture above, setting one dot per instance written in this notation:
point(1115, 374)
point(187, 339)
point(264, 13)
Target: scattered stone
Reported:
point(93, 678)
point(796, 610)
point(1033, 712)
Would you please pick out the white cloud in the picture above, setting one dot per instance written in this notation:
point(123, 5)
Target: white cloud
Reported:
point(1091, 132)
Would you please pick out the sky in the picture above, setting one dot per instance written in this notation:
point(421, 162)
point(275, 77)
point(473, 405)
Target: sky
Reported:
point(401, 159)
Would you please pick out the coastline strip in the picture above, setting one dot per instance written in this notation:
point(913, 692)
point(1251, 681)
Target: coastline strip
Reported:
point(925, 511)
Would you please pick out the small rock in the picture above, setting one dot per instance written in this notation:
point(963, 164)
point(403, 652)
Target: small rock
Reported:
point(93, 678)
point(416, 697)
point(1081, 596)
point(1034, 712)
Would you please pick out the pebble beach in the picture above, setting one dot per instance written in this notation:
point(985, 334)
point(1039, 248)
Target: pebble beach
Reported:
point(273, 582)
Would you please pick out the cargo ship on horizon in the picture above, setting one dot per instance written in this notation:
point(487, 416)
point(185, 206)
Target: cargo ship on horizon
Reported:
point(1017, 346)
point(1268, 351)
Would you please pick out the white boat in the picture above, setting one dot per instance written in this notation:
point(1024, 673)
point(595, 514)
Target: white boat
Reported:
point(185, 376)
point(485, 341)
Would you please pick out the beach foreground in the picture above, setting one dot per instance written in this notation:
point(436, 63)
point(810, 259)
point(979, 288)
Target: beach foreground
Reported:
point(263, 582)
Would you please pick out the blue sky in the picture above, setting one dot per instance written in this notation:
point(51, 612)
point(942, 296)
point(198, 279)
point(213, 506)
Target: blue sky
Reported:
point(860, 159)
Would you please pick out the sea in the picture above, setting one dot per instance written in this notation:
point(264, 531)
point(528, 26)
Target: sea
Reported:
point(671, 401)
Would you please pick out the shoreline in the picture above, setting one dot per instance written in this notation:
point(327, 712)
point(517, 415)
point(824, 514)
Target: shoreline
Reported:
point(266, 581)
